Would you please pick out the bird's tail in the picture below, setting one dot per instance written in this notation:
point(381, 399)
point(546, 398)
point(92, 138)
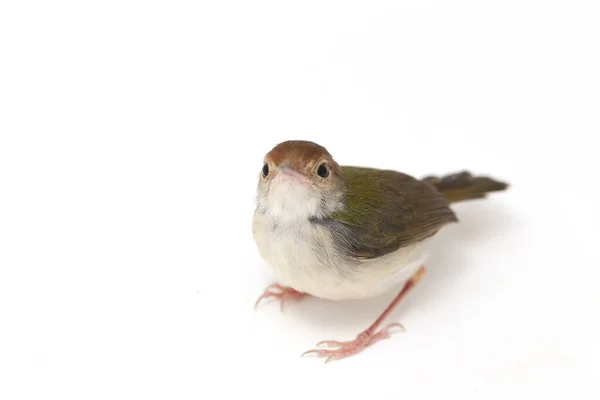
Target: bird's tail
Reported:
point(464, 186)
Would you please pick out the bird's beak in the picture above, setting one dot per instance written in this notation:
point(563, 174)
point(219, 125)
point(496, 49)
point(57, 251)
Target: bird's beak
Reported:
point(288, 172)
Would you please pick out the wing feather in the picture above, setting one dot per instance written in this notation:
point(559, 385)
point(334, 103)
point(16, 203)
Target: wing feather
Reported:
point(386, 210)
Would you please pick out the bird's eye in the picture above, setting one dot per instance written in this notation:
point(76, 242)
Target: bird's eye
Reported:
point(323, 171)
point(265, 170)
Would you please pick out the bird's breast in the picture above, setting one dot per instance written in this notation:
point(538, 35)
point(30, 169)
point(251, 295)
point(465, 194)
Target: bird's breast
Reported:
point(305, 257)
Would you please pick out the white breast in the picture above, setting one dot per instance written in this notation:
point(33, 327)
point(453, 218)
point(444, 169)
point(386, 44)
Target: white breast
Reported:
point(304, 258)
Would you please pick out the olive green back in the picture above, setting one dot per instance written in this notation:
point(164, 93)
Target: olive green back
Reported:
point(385, 210)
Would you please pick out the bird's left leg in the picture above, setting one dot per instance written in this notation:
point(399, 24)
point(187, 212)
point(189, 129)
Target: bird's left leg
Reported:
point(371, 334)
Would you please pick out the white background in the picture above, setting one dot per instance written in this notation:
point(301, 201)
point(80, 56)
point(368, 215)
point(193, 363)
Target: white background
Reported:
point(131, 138)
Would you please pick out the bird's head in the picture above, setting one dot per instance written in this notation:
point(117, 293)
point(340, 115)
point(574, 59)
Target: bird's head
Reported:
point(299, 180)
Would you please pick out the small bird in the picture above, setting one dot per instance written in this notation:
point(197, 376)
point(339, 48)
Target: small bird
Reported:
point(345, 232)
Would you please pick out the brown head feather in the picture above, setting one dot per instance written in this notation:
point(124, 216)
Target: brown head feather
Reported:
point(302, 155)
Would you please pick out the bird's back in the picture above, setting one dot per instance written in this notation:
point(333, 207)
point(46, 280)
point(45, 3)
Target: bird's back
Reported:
point(386, 210)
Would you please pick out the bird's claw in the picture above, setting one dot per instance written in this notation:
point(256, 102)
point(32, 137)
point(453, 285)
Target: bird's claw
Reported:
point(337, 350)
point(279, 292)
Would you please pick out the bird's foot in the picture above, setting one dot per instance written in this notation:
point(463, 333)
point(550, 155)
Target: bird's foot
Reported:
point(282, 293)
point(352, 347)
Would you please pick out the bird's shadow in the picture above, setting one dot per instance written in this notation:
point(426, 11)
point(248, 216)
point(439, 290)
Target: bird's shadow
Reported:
point(479, 223)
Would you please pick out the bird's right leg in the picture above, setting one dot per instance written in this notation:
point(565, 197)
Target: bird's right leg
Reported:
point(282, 293)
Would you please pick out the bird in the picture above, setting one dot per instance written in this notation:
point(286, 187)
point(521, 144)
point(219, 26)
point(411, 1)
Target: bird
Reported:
point(342, 232)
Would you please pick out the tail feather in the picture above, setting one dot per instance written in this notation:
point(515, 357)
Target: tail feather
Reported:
point(464, 186)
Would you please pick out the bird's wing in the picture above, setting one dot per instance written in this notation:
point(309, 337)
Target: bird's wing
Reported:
point(385, 210)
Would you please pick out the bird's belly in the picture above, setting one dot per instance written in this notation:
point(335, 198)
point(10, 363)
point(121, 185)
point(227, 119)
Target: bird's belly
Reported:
point(305, 259)
point(344, 279)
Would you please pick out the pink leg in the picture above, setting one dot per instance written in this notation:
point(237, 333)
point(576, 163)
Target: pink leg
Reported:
point(282, 293)
point(371, 335)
